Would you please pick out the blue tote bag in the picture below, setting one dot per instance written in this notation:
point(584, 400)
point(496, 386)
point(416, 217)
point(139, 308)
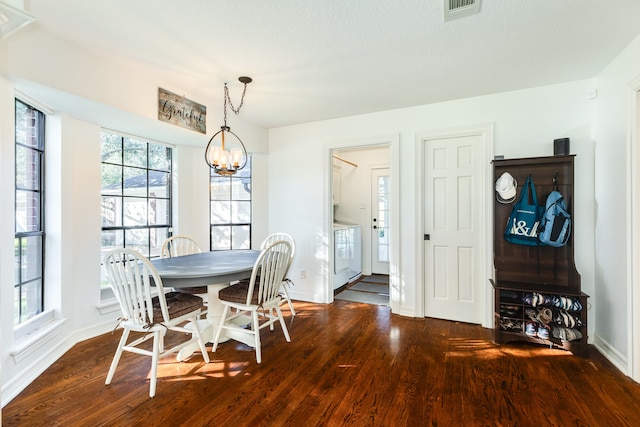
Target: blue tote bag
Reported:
point(523, 224)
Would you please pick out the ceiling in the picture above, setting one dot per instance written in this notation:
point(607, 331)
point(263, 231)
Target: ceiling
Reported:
point(314, 60)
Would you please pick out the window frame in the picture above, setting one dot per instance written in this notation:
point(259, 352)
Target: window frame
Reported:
point(20, 238)
point(151, 250)
point(243, 174)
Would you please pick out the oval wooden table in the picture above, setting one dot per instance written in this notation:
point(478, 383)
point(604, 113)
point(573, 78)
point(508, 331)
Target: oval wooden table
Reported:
point(216, 270)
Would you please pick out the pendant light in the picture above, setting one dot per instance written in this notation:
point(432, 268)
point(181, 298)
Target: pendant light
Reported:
point(226, 153)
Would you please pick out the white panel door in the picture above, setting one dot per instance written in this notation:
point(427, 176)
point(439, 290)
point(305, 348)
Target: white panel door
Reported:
point(452, 224)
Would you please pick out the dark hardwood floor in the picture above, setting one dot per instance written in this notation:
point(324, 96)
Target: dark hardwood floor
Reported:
point(347, 364)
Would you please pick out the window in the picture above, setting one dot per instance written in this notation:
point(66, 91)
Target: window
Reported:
point(136, 194)
point(29, 212)
point(230, 210)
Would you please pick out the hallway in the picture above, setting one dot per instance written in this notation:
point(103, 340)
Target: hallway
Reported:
point(372, 289)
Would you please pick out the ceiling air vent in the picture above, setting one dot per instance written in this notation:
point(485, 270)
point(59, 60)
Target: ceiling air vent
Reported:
point(458, 8)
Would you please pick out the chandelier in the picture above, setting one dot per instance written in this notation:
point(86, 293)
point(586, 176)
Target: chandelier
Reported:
point(222, 159)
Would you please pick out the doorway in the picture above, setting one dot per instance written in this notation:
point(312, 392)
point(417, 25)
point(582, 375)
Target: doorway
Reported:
point(357, 201)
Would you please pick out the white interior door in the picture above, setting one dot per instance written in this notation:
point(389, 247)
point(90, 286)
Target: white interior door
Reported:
point(380, 225)
point(452, 226)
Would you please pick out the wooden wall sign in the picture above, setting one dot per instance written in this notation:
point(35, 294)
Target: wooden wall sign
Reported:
point(180, 111)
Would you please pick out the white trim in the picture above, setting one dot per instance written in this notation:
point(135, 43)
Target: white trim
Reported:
point(614, 356)
point(36, 339)
point(33, 103)
point(137, 137)
point(485, 131)
point(633, 237)
point(107, 306)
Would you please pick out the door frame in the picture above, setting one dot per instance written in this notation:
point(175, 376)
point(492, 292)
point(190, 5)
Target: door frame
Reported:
point(485, 132)
point(393, 142)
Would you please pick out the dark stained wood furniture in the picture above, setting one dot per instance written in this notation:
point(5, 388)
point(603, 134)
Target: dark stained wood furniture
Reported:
point(521, 270)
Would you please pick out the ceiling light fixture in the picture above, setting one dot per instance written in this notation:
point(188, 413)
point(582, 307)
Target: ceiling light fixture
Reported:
point(222, 160)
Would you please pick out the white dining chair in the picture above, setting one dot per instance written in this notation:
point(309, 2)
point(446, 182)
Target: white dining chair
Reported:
point(180, 245)
point(132, 276)
point(286, 282)
point(258, 297)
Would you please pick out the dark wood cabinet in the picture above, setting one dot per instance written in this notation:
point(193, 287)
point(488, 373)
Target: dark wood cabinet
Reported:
point(544, 272)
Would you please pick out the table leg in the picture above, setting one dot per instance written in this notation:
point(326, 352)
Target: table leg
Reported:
point(209, 326)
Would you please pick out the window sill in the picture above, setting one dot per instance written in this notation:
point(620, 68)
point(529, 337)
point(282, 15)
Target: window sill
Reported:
point(36, 338)
point(108, 306)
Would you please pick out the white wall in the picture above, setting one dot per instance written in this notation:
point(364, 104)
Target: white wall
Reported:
point(526, 123)
point(612, 131)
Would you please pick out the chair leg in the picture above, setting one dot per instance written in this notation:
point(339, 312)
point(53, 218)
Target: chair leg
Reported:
point(283, 324)
point(116, 357)
point(256, 332)
point(203, 348)
point(286, 296)
point(223, 318)
point(157, 337)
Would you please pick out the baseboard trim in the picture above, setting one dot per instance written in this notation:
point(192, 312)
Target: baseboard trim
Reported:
point(611, 353)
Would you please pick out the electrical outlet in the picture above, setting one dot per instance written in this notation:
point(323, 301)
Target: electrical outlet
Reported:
point(303, 274)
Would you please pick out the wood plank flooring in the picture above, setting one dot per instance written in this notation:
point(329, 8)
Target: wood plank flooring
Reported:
point(348, 364)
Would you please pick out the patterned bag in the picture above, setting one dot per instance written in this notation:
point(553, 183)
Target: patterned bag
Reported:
point(524, 221)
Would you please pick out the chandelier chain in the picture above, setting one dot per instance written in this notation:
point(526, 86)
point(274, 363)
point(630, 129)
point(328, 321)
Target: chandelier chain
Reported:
point(227, 99)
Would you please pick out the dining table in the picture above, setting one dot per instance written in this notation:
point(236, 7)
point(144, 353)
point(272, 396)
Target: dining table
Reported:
point(216, 270)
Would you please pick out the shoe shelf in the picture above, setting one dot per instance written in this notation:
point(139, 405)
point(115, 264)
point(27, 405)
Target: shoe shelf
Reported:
point(557, 320)
point(537, 289)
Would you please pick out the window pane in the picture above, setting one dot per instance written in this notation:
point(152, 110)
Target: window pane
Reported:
point(241, 212)
point(137, 239)
point(16, 262)
point(241, 237)
point(383, 253)
point(27, 211)
point(220, 188)
point(16, 305)
point(220, 212)
point(159, 212)
point(135, 211)
point(241, 189)
point(111, 211)
point(31, 259)
point(31, 297)
point(220, 238)
point(158, 184)
point(29, 126)
point(157, 237)
point(135, 182)
point(159, 157)
point(27, 168)
point(112, 239)
point(111, 179)
point(111, 148)
point(135, 153)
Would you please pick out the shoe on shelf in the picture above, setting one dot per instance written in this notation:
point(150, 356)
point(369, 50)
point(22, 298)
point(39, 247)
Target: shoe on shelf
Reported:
point(531, 329)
